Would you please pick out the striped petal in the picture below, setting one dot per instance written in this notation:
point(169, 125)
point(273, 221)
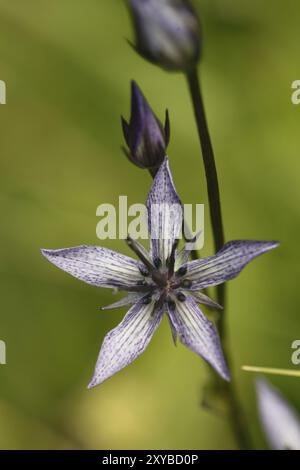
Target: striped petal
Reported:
point(130, 299)
point(183, 255)
point(199, 334)
point(205, 300)
point(280, 421)
point(97, 266)
point(164, 214)
point(226, 264)
point(127, 341)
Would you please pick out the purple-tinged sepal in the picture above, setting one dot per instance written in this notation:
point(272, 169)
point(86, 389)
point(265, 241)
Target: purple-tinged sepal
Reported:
point(226, 264)
point(280, 421)
point(147, 139)
point(198, 333)
point(165, 215)
point(130, 299)
point(97, 266)
point(167, 32)
point(127, 341)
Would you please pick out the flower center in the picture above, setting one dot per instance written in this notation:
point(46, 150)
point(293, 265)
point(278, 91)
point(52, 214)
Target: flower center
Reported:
point(164, 278)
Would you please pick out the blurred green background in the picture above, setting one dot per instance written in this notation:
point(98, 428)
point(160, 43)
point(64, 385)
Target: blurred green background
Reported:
point(67, 68)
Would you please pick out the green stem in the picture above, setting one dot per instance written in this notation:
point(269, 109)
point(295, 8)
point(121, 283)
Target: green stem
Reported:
point(227, 390)
point(208, 159)
point(211, 177)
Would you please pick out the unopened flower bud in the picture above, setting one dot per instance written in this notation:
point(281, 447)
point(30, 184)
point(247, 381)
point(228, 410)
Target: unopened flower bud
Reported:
point(167, 32)
point(145, 135)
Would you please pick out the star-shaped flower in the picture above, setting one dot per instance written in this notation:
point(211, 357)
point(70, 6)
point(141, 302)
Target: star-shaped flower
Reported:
point(162, 281)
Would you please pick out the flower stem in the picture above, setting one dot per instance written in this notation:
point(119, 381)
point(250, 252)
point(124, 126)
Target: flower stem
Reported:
point(211, 177)
point(208, 159)
point(226, 390)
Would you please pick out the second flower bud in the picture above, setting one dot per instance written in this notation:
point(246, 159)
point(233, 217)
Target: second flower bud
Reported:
point(147, 139)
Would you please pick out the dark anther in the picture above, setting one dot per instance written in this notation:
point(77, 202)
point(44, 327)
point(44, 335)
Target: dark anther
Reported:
point(144, 271)
point(157, 263)
point(171, 259)
point(181, 271)
point(147, 300)
point(171, 304)
point(138, 249)
point(186, 283)
point(141, 283)
point(181, 297)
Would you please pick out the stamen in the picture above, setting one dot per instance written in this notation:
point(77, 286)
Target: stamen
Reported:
point(181, 271)
point(186, 283)
point(157, 263)
point(140, 252)
point(160, 302)
point(143, 270)
point(195, 237)
point(147, 300)
point(171, 260)
point(141, 283)
point(160, 279)
point(144, 287)
point(181, 297)
point(171, 304)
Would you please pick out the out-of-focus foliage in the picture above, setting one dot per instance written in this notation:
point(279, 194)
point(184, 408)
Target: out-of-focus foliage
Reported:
point(67, 67)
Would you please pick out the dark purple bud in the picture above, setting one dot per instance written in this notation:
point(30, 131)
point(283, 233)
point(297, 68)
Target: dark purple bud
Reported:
point(146, 138)
point(167, 32)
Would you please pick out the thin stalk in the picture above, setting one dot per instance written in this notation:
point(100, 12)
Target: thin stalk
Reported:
point(208, 159)
point(211, 178)
point(272, 371)
point(226, 389)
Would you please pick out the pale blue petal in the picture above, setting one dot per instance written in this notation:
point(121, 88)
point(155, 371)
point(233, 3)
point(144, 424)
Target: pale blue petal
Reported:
point(127, 341)
point(97, 266)
point(226, 264)
point(279, 419)
point(164, 214)
point(198, 333)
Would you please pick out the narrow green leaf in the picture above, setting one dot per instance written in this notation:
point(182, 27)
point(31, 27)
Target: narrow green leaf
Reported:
point(273, 371)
